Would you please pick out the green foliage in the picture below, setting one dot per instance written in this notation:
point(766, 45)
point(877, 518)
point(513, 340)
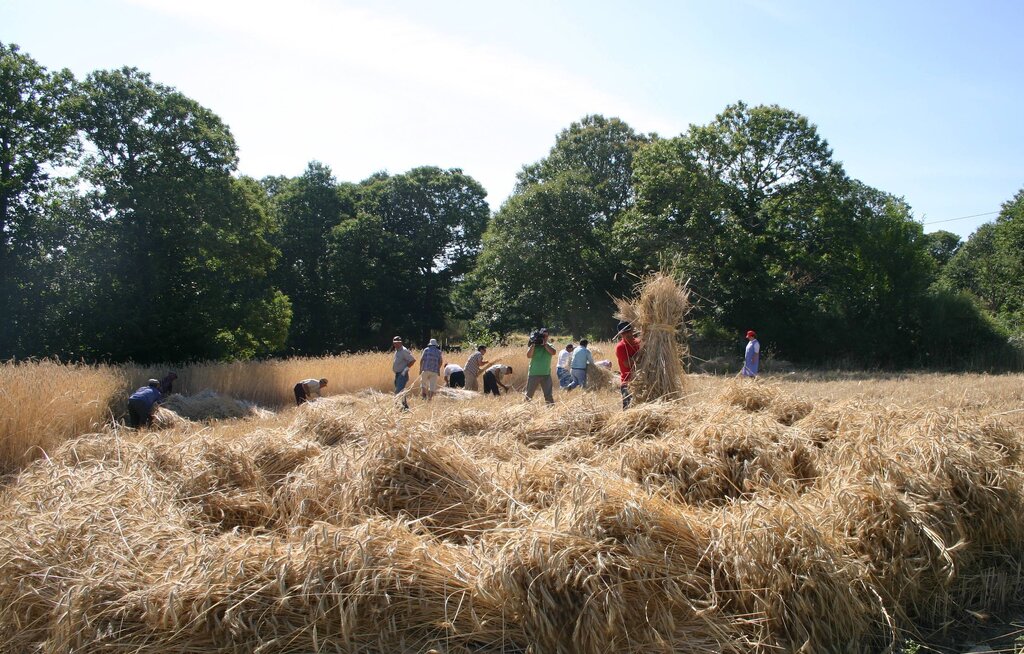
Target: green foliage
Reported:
point(36, 134)
point(990, 265)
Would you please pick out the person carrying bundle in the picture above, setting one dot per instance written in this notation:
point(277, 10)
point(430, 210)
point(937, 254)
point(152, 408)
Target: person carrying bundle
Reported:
point(308, 390)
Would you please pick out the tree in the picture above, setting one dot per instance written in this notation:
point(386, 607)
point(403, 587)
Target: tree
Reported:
point(430, 224)
point(186, 245)
point(36, 136)
point(306, 209)
point(990, 265)
point(543, 263)
point(942, 245)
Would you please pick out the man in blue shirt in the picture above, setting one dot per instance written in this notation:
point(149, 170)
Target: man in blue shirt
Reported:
point(142, 403)
point(431, 362)
point(580, 358)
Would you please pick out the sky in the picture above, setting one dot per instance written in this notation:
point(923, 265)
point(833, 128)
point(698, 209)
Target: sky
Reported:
point(921, 99)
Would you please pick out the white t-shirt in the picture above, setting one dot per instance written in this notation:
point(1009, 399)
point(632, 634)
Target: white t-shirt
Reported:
point(563, 358)
point(450, 368)
point(312, 387)
point(499, 371)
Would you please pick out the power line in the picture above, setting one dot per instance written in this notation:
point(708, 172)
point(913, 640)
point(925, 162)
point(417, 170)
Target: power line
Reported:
point(949, 220)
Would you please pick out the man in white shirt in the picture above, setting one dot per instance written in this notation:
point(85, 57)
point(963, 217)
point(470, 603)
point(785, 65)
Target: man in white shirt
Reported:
point(454, 376)
point(308, 390)
point(494, 377)
point(562, 366)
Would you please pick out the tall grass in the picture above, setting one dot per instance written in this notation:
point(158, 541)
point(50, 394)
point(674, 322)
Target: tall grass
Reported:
point(44, 403)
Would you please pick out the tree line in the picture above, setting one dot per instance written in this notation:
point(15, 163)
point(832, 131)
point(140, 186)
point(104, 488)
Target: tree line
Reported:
point(127, 234)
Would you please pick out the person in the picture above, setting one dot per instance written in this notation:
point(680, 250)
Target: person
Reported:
point(563, 366)
point(473, 367)
point(430, 369)
point(403, 361)
point(454, 376)
point(167, 383)
point(626, 352)
point(308, 390)
point(580, 360)
point(495, 377)
point(539, 353)
point(752, 355)
point(142, 404)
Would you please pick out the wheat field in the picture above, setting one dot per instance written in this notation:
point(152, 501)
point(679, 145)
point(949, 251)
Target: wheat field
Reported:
point(805, 512)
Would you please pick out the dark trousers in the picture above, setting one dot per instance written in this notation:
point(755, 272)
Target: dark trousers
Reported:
point(491, 384)
point(457, 380)
point(300, 394)
point(139, 414)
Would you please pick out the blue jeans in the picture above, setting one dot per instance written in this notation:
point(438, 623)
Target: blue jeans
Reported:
point(627, 397)
point(579, 377)
point(564, 377)
point(401, 379)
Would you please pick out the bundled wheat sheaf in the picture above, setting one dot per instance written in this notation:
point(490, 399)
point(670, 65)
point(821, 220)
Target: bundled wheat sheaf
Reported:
point(658, 313)
point(748, 521)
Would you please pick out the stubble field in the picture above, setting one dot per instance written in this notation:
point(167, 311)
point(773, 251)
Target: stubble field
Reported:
point(795, 513)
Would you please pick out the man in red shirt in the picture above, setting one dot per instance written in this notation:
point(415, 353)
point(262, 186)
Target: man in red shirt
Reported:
point(626, 352)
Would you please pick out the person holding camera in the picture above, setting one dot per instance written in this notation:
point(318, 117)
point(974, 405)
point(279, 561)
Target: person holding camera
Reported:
point(539, 353)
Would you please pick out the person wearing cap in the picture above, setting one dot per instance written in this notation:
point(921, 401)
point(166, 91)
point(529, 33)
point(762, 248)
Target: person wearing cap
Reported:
point(308, 390)
point(403, 361)
point(474, 365)
point(430, 369)
point(563, 366)
point(752, 355)
point(626, 352)
point(580, 360)
point(167, 383)
point(454, 376)
point(495, 377)
point(539, 374)
point(142, 404)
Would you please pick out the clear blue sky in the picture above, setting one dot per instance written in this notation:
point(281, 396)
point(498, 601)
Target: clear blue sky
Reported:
point(920, 99)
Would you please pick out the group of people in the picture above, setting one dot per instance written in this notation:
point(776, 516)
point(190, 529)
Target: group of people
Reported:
point(571, 371)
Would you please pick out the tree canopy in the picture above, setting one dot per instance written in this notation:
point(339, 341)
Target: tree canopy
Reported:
point(126, 232)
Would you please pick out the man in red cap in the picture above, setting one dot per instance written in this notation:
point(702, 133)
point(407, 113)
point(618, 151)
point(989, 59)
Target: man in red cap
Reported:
point(752, 355)
point(626, 352)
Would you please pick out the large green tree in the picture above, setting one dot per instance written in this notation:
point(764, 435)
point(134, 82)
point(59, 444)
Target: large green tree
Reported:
point(37, 135)
point(990, 265)
point(306, 209)
point(548, 255)
point(187, 254)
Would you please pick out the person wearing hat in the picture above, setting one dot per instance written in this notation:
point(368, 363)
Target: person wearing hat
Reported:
point(403, 361)
point(539, 353)
point(142, 404)
point(474, 365)
point(563, 366)
point(751, 356)
point(308, 390)
point(626, 352)
point(430, 369)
